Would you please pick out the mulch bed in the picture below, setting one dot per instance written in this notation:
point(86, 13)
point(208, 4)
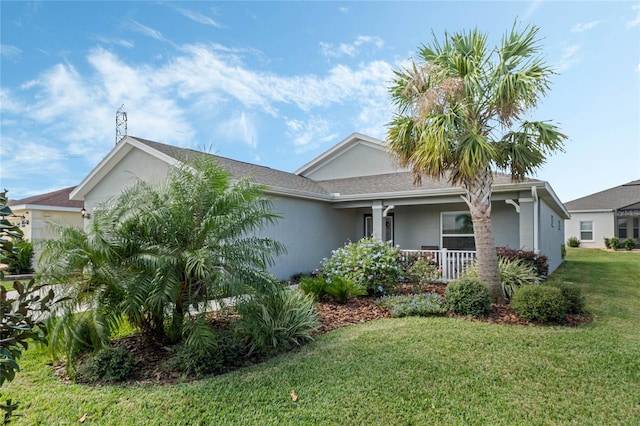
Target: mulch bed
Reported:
point(150, 355)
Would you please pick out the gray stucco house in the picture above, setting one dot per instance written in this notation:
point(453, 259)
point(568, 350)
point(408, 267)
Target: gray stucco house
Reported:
point(614, 212)
point(352, 190)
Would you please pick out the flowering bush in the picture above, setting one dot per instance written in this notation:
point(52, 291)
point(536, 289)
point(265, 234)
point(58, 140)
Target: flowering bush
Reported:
point(370, 262)
point(413, 305)
point(425, 270)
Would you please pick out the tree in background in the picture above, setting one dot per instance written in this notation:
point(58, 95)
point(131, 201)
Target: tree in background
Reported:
point(461, 114)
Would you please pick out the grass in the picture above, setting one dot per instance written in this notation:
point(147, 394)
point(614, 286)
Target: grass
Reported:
point(400, 372)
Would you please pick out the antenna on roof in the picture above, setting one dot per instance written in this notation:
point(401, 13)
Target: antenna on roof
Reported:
point(121, 124)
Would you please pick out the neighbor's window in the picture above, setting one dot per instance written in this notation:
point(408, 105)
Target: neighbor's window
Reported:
point(636, 227)
point(457, 231)
point(586, 231)
point(622, 227)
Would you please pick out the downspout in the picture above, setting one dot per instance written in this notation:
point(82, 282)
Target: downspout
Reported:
point(536, 213)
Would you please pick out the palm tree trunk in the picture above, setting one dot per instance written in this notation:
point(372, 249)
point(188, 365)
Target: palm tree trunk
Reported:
point(479, 200)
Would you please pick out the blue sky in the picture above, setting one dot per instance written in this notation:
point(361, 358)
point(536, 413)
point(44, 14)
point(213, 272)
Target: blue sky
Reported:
point(277, 83)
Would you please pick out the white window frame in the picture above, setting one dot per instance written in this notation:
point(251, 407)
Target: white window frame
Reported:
point(592, 230)
point(443, 235)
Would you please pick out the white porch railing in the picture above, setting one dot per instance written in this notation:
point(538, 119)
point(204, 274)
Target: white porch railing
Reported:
point(451, 263)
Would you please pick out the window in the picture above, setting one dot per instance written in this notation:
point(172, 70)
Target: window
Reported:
point(636, 227)
point(559, 225)
point(368, 227)
point(552, 221)
point(586, 231)
point(622, 227)
point(457, 231)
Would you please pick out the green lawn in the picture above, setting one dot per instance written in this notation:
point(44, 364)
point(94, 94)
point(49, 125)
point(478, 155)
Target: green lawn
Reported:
point(411, 371)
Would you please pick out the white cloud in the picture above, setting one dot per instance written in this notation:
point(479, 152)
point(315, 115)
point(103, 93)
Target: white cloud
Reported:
point(8, 51)
point(309, 134)
point(569, 57)
point(531, 10)
point(199, 18)
point(117, 41)
point(636, 21)
point(147, 31)
point(343, 9)
point(239, 128)
point(344, 49)
point(582, 27)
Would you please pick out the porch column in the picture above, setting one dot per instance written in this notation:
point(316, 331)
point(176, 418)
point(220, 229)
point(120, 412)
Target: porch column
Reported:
point(377, 222)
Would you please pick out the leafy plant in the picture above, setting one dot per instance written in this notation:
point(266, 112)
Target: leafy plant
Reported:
point(539, 302)
point(424, 304)
point(607, 242)
point(313, 286)
point(513, 274)
point(21, 258)
point(573, 242)
point(154, 254)
point(614, 243)
point(468, 296)
point(370, 262)
point(23, 320)
point(110, 364)
point(425, 270)
point(629, 244)
point(343, 289)
point(202, 361)
point(539, 262)
point(574, 300)
point(276, 321)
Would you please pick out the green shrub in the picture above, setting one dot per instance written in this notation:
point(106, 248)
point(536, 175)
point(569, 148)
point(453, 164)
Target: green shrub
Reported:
point(629, 244)
point(343, 289)
point(421, 305)
point(313, 286)
point(424, 270)
point(573, 242)
point(468, 296)
point(513, 274)
point(607, 242)
point(539, 262)
point(21, 258)
point(276, 321)
point(573, 298)
point(614, 243)
point(202, 361)
point(110, 364)
point(539, 302)
point(370, 262)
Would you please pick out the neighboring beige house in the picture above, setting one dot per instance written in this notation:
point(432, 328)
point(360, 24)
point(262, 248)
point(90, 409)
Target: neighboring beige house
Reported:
point(33, 214)
point(352, 190)
point(614, 212)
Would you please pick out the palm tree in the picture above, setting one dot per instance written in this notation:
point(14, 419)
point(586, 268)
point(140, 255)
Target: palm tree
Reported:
point(457, 111)
point(156, 255)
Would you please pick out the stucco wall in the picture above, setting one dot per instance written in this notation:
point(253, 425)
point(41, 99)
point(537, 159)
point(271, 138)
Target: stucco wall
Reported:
point(309, 230)
point(603, 226)
point(551, 233)
point(351, 163)
point(136, 165)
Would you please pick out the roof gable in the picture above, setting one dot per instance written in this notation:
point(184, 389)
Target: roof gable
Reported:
point(610, 199)
point(356, 156)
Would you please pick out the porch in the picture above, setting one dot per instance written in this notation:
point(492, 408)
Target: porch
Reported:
point(451, 263)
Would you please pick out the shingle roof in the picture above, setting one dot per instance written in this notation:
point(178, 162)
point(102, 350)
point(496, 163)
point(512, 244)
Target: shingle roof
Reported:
point(239, 169)
point(395, 182)
point(385, 183)
point(59, 198)
point(610, 199)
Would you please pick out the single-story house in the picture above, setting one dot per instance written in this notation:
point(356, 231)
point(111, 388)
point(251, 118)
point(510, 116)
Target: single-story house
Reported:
point(614, 212)
point(352, 190)
point(33, 213)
